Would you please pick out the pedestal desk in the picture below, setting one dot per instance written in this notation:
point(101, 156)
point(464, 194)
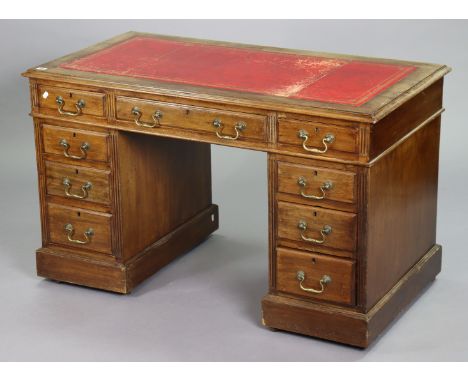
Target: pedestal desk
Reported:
point(123, 132)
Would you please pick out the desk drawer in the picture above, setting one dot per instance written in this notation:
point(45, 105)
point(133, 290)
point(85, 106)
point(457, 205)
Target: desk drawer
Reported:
point(79, 228)
point(316, 138)
point(315, 276)
point(76, 144)
point(225, 125)
point(71, 103)
point(315, 227)
point(78, 183)
point(316, 184)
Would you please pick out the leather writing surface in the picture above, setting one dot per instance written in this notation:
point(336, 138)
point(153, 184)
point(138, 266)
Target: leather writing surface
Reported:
point(331, 80)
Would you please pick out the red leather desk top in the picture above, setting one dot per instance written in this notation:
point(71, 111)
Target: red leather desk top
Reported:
point(340, 81)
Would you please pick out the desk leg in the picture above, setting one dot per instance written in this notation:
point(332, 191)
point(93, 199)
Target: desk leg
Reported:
point(347, 326)
point(61, 264)
point(160, 191)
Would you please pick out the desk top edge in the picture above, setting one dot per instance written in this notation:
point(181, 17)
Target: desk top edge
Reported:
point(371, 112)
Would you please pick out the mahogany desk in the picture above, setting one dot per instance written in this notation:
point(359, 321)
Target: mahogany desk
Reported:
point(123, 132)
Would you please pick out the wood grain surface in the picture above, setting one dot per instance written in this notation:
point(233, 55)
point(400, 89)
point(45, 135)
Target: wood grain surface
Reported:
point(315, 266)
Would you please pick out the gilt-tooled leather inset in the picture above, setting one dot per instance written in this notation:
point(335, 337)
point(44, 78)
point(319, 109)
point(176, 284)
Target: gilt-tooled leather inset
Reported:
point(330, 80)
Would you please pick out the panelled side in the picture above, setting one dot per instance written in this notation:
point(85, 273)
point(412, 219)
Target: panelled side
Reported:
point(401, 209)
point(163, 183)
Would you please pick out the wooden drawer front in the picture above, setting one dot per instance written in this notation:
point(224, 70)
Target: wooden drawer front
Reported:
point(316, 183)
point(77, 183)
point(344, 138)
point(342, 224)
point(294, 266)
point(93, 101)
point(82, 145)
point(194, 118)
point(81, 221)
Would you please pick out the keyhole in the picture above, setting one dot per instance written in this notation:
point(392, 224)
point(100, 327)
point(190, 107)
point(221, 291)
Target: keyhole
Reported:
point(71, 95)
point(78, 213)
point(74, 135)
point(313, 260)
point(316, 130)
point(315, 173)
point(315, 213)
point(76, 171)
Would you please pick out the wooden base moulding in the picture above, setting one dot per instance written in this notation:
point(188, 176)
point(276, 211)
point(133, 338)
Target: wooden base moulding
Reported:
point(346, 325)
point(69, 267)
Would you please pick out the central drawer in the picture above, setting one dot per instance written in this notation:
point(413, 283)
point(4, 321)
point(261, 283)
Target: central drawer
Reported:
point(315, 228)
point(225, 125)
point(79, 228)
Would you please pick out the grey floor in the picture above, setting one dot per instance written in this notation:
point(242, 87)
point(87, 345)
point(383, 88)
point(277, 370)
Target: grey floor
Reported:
point(206, 305)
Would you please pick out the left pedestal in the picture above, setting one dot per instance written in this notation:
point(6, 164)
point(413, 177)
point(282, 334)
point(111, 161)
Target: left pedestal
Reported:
point(118, 206)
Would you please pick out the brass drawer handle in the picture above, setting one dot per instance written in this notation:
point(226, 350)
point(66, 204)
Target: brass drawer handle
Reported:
point(324, 281)
point(84, 147)
point(326, 186)
point(84, 189)
point(70, 230)
point(239, 126)
point(157, 115)
point(327, 139)
point(80, 104)
point(326, 230)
